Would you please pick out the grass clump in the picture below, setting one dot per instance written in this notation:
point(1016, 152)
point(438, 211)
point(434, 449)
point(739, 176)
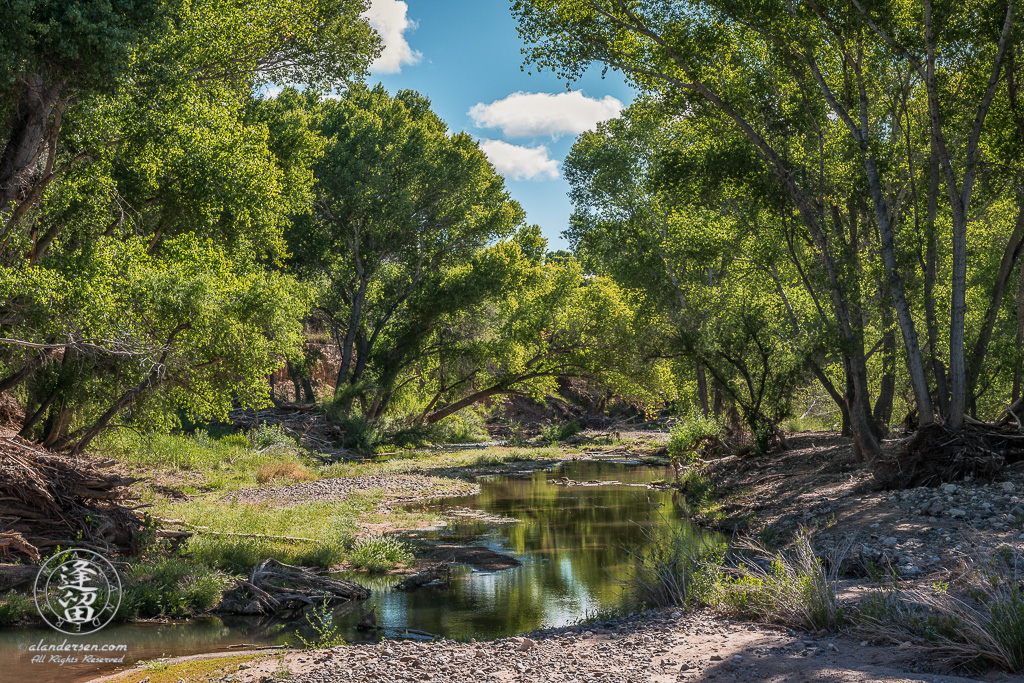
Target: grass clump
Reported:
point(268, 436)
point(795, 588)
point(694, 437)
point(978, 621)
point(14, 607)
point(282, 471)
point(698, 490)
point(169, 587)
point(380, 553)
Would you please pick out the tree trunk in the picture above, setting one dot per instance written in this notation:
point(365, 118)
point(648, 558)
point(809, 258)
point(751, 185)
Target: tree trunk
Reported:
point(930, 270)
point(702, 389)
point(1020, 336)
point(28, 132)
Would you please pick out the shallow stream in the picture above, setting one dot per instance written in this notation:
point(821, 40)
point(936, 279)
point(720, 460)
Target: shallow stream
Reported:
point(572, 541)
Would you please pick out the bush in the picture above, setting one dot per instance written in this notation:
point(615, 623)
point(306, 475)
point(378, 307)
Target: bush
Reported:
point(380, 553)
point(981, 620)
point(14, 607)
point(556, 433)
point(697, 488)
point(286, 471)
point(170, 587)
point(465, 426)
point(269, 435)
point(695, 436)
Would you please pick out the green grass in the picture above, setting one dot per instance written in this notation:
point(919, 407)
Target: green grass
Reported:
point(209, 463)
point(170, 587)
point(438, 462)
point(380, 553)
point(331, 525)
point(14, 607)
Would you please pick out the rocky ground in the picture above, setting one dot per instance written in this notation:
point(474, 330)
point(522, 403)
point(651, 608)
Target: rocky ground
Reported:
point(396, 487)
point(656, 647)
point(917, 533)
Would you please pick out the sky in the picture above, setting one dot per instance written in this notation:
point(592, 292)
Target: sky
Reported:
point(465, 56)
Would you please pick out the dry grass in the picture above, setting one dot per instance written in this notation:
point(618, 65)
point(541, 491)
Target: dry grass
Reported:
point(978, 620)
point(282, 471)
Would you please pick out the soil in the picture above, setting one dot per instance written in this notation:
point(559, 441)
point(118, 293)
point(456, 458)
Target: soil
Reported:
point(656, 647)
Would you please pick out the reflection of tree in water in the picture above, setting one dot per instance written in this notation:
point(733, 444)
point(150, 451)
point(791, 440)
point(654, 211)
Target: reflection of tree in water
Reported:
point(573, 538)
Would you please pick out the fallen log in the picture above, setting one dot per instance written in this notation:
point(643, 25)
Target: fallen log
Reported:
point(275, 587)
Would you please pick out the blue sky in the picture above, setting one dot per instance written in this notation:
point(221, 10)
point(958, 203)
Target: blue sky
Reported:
point(465, 56)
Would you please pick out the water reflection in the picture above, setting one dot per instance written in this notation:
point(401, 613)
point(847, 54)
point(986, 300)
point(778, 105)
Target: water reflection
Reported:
point(570, 540)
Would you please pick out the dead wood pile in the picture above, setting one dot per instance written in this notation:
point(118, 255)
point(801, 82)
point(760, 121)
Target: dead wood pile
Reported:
point(48, 499)
point(277, 588)
point(936, 454)
point(302, 422)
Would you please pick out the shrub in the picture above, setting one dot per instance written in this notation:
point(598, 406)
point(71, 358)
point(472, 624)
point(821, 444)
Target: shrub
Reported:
point(380, 553)
point(171, 587)
point(269, 435)
point(694, 436)
point(14, 607)
point(981, 620)
point(697, 488)
point(465, 426)
point(557, 433)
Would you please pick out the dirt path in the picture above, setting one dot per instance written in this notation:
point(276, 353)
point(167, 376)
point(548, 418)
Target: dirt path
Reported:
point(659, 647)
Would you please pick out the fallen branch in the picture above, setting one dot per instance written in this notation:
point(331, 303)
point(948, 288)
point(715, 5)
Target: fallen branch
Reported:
point(209, 532)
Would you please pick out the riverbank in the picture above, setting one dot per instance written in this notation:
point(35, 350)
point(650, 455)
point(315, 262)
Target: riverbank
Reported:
point(657, 647)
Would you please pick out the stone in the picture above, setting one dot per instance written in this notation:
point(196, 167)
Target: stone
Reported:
point(527, 645)
point(716, 658)
point(1008, 486)
point(949, 488)
point(890, 542)
point(957, 512)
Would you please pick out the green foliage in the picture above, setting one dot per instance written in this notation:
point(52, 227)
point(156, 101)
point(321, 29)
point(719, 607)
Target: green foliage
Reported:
point(677, 567)
point(14, 607)
point(269, 435)
point(465, 426)
point(556, 433)
point(687, 439)
point(796, 588)
point(169, 587)
point(380, 553)
point(696, 487)
point(328, 634)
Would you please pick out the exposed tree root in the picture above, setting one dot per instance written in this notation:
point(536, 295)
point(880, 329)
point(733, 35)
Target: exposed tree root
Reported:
point(936, 454)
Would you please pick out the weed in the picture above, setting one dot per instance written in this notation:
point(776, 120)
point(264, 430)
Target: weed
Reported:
point(170, 586)
point(321, 620)
point(269, 435)
point(697, 488)
point(380, 553)
point(282, 471)
point(14, 607)
point(465, 426)
point(982, 621)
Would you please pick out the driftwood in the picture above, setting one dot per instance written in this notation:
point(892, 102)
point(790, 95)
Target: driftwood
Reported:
point(935, 454)
point(275, 587)
point(48, 499)
point(303, 422)
point(437, 572)
point(206, 531)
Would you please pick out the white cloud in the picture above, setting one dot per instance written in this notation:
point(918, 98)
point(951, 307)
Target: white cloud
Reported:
point(525, 114)
point(389, 19)
point(520, 163)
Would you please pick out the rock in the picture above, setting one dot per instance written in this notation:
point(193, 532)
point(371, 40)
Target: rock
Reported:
point(957, 512)
point(527, 645)
point(716, 658)
point(890, 542)
point(863, 643)
point(949, 488)
point(1007, 486)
